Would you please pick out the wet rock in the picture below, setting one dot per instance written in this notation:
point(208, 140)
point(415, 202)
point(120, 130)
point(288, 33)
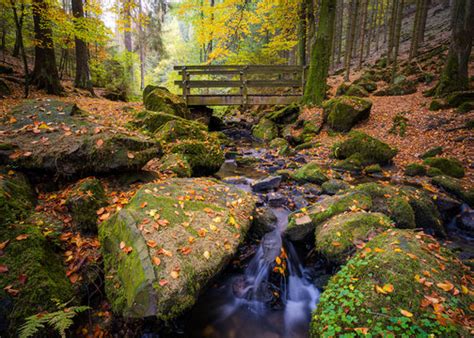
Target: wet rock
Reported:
point(160, 99)
point(448, 166)
point(286, 115)
point(390, 265)
point(235, 180)
point(276, 200)
point(466, 220)
point(333, 186)
point(266, 184)
point(17, 197)
point(265, 130)
point(342, 113)
point(310, 172)
point(264, 220)
point(159, 258)
point(311, 190)
point(337, 237)
point(367, 149)
point(176, 163)
point(453, 186)
point(54, 137)
point(85, 198)
point(36, 277)
point(447, 205)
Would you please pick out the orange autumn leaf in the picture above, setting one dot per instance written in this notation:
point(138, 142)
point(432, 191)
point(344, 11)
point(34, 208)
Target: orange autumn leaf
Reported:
point(388, 288)
point(151, 243)
point(163, 282)
point(22, 237)
point(156, 260)
point(447, 286)
point(363, 330)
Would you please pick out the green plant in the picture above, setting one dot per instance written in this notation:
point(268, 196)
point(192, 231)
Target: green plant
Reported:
point(60, 320)
point(400, 124)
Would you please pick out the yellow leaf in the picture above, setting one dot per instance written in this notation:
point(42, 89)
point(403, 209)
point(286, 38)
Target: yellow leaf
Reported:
point(363, 330)
point(206, 254)
point(378, 289)
point(388, 288)
point(447, 286)
point(174, 274)
point(278, 260)
point(406, 313)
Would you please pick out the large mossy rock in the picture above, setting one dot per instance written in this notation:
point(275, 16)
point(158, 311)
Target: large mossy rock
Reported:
point(310, 172)
point(342, 113)
point(286, 115)
point(403, 284)
point(301, 224)
point(204, 157)
point(84, 199)
point(336, 238)
point(356, 90)
point(160, 99)
point(265, 130)
point(55, 137)
point(367, 149)
point(454, 186)
point(404, 87)
point(17, 197)
point(151, 121)
point(180, 129)
point(448, 166)
point(158, 258)
point(177, 164)
point(35, 279)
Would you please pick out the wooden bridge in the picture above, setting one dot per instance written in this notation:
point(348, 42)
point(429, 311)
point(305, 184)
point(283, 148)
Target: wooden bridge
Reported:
point(241, 85)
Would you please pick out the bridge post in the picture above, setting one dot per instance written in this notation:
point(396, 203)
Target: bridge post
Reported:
point(243, 86)
point(185, 78)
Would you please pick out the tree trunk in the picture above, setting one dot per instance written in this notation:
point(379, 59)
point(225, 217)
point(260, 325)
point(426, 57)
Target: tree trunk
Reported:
point(142, 46)
point(22, 46)
point(415, 33)
point(302, 34)
point(340, 16)
point(391, 34)
point(315, 89)
point(373, 26)
point(424, 15)
point(351, 29)
point(455, 73)
point(362, 33)
point(18, 35)
point(398, 28)
point(311, 30)
point(83, 75)
point(45, 73)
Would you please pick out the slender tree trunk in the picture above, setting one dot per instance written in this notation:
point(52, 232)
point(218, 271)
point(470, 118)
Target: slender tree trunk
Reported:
point(362, 33)
point(142, 45)
point(45, 73)
point(373, 18)
point(340, 20)
point(386, 21)
point(398, 29)
point(22, 46)
point(351, 30)
point(16, 48)
point(302, 34)
point(416, 27)
point(378, 23)
point(455, 73)
point(311, 20)
point(315, 89)
point(391, 34)
point(333, 40)
point(424, 15)
point(83, 75)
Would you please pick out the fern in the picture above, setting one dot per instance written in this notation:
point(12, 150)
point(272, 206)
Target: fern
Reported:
point(60, 321)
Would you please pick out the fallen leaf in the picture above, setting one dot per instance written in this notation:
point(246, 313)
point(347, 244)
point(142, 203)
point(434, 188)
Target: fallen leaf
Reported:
point(156, 260)
point(130, 155)
point(22, 237)
point(99, 143)
point(174, 274)
point(406, 313)
point(163, 282)
point(3, 268)
point(388, 288)
point(3, 245)
point(151, 243)
point(447, 286)
point(206, 254)
point(363, 330)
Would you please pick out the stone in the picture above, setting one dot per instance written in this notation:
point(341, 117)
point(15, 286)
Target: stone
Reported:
point(264, 221)
point(177, 164)
point(265, 130)
point(276, 200)
point(85, 198)
point(357, 91)
point(432, 152)
point(150, 121)
point(448, 166)
point(310, 172)
point(454, 186)
point(369, 150)
point(17, 197)
point(65, 143)
point(266, 184)
point(160, 99)
point(286, 115)
point(159, 258)
point(342, 113)
point(415, 169)
point(334, 186)
point(181, 129)
point(404, 87)
point(466, 220)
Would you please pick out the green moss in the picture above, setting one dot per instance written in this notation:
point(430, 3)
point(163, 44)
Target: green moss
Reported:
point(415, 169)
point(45, 274)
point(204, 157)
point(400, 124)
point(342, 113)
point(352, 163)
point(180, 129)
point(405, 87)
point(286, 115)
point(457, 98)
point(265, 130)
point(432, 152)
point(335, 238)
point(453, 186)
point(469, 124)
point(151, 121)
point(465, 107)
point(86, 197)
point(160, 99)
point(306, 145)
point(432, 172)
point(449, 166)
point(364, 82)
point(397, 258)
point(281, 145)
point(369, 149)
point(16, 198)
point(177, 164)
point(436, 105)
point(356, 90)
point(342, 89)
point(373, 169)
point(334, 186)
point(310, 172)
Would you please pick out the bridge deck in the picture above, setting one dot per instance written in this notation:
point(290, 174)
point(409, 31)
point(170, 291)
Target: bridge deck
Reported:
point(240, 79)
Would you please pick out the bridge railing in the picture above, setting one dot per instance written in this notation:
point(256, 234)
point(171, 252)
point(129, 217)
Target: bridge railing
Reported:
point(246, 79)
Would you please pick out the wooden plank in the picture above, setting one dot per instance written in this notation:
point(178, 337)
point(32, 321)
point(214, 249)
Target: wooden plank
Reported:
point(232, 100)
point(237, 84)
point(239, 67)
point(248, 71)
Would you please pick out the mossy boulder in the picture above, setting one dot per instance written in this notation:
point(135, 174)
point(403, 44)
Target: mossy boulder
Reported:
point(342, 89)
point(402, 283)
point(281, 145)
point(180, 129)
point(286, 115)
point(368, 150)
point(265, 130)
point(85, 198)
point(160, 99)
point(454, 186)
point(334, 186)
point(54, 137)
point(310, 172)
point(373, 169)
point(449, 166)
point(342, 113)
point(437, 105)
point(357, 91)
point(35, 278)
point(159, 258)
point(415, 169)
point(204, 157)
point(432, 152)
point(433, 172)
point(17, 197)
point(150, 121)
point(369, 85)
point(457, 98)
point(177, 164)
point(301, 224)
point(404, 87)
point(353, 163)
point(465, 107)
point(335, 238)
